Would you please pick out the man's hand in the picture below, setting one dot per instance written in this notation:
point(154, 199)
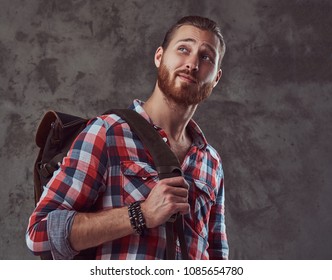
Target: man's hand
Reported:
point(168, 197)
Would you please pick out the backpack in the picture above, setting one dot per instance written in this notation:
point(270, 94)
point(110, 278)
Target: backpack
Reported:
point(55, 135)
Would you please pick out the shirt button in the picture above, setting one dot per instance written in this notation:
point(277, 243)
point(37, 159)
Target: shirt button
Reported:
point(144, 178)
point(165, 139)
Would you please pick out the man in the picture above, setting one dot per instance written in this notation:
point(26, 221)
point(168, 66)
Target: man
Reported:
point(107, 168)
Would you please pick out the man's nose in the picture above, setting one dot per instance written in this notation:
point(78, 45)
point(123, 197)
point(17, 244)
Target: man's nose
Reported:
point(192, 63)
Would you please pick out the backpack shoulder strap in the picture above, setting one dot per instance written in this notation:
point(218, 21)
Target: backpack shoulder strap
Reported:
point(167, 165)
point(166, 162)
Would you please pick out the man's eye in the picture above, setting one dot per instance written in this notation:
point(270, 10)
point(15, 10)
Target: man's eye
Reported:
point(183, 49)
point(207, 58)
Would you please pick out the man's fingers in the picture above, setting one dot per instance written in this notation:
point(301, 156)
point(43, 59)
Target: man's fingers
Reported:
point(181, 192)
point(183, 208)
point(178, 181)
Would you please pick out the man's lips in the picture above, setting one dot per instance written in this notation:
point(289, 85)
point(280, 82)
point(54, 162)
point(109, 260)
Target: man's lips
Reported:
point(187, 78)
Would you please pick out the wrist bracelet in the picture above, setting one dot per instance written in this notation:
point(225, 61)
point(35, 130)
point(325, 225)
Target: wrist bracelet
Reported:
point(136, 217)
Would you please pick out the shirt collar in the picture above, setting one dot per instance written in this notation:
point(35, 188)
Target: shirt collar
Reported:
point(196, 133)
point(137, 106)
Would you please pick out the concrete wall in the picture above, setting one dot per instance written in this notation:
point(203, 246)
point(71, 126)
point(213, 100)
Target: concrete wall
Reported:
point(269, 117)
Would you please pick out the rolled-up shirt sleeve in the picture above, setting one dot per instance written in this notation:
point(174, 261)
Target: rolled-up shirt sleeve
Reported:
point(59, 224)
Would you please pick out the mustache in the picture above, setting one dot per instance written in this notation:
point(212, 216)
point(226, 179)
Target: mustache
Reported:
point(187, 73)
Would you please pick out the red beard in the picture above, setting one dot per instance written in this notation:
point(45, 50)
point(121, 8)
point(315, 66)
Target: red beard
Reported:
point(187, 93)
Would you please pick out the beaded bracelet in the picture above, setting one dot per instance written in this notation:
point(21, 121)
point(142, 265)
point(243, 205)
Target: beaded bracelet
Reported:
point(136, 217)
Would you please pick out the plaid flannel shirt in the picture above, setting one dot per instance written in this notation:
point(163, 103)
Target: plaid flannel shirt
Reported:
point(108, 167)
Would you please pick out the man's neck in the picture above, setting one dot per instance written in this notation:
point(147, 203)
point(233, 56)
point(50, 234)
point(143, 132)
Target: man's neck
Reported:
point(171, 117)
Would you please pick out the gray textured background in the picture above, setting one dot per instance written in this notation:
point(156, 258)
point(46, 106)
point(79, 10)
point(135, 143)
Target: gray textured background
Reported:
point(269, 117)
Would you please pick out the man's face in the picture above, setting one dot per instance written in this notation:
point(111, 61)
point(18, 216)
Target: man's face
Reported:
point(188, 69)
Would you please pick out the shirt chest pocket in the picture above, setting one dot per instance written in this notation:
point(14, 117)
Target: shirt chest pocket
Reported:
point(138, 178)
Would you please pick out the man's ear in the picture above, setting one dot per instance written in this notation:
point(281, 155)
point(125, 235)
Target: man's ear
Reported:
point(219, 74)
point(158, 55)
